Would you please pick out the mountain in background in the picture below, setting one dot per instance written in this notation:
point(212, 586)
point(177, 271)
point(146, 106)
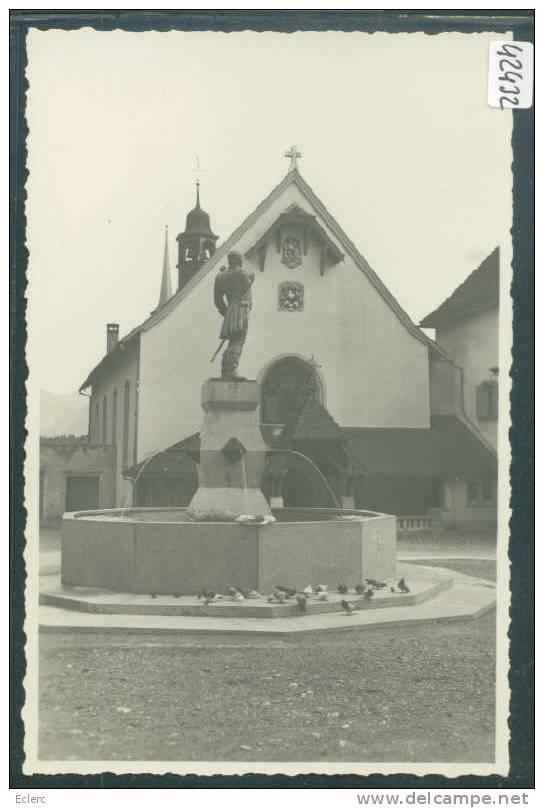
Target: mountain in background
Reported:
point(63, 414)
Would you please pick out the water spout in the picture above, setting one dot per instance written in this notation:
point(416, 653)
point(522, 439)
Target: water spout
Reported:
point(316, 468)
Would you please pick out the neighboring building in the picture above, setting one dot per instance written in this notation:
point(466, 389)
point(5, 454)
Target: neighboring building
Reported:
point(74, 476)
point(467, 327)
point(347, 379)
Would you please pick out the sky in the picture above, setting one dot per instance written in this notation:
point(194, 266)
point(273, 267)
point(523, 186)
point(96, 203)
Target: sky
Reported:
point(396, 136)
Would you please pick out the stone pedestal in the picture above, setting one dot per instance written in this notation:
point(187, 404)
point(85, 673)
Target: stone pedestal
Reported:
point(232, 453)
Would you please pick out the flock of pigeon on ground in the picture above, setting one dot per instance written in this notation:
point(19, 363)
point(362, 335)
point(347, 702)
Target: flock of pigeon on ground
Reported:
point(284, 594)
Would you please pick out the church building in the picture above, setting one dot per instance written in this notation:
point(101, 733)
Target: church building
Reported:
point(358, 405)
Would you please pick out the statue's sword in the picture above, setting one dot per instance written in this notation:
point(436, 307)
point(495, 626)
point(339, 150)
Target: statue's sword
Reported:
point(219, 348)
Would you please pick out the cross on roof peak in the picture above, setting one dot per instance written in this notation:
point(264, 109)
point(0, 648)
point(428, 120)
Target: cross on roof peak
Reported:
point(293, 155)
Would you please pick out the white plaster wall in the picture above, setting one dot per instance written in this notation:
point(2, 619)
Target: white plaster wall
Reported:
point(375, 372)
point(125, 369)
point(473, 344)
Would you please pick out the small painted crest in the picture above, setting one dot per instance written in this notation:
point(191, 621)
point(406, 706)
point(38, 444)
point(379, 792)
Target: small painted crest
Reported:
point(291, 252)
point(291, 297)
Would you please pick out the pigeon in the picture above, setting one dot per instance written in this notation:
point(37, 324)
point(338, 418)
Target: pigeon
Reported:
point(289, 593)
point(360, 588)
point(392, 588)
point(369, 594)
point(279, 595)
point(320, 588)
point(301, 601)
point(342, 588)
point(403, 586)
point(237, 596)
point(349, 608)
point(252, 594)
point(375, 584)
point(308, 590)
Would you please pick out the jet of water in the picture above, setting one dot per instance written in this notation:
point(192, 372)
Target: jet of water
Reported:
point(316, 468)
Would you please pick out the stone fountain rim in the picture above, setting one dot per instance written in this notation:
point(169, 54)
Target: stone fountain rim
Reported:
point(123, 515)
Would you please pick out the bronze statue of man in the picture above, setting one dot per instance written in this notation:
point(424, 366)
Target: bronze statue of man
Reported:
point(232, 298)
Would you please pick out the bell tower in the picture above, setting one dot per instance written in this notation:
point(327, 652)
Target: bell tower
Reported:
point(196, 244)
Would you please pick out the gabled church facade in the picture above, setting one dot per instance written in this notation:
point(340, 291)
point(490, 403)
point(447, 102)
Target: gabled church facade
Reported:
point(358, 405)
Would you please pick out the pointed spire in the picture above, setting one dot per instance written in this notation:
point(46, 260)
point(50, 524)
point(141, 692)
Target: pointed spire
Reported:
point(166, 285)
point(198, 193)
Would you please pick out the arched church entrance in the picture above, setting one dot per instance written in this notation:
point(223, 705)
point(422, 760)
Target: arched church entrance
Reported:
point(285, 389)
point(287, 386)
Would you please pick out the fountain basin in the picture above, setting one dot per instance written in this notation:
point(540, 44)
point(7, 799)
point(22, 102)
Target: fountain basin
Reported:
point(161, 551)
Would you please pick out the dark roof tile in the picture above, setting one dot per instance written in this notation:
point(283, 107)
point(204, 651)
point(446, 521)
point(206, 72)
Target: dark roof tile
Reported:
point(448, 449)
point(316, 423)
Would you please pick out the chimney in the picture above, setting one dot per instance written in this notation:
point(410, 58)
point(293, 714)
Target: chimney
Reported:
point(112, 336)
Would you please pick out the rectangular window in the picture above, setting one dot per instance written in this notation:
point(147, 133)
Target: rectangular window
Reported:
point(126, 422)
point(487, 400)
point(481, 492)
point(104, 421)
point(114, 418)
point(96, 431)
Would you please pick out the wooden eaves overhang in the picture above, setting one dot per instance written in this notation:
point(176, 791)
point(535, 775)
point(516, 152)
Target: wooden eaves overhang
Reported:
point(295, 216)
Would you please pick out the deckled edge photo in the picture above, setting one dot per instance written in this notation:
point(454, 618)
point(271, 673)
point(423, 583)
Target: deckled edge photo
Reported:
point(514, 585)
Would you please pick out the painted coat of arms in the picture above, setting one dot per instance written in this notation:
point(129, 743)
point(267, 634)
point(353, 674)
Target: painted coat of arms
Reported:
point(291, 296)
point(291, 252)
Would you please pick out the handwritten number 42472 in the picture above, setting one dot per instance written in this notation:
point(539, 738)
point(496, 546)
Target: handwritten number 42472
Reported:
point(511, 76)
